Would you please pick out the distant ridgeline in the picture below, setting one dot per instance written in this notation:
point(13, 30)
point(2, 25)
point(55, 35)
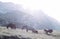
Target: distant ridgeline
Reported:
point(13, 13)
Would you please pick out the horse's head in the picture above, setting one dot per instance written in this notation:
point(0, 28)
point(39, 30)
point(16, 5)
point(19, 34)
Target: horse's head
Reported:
point(50, 31)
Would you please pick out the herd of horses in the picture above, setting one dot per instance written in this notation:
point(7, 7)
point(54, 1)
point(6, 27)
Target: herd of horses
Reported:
point(13, 26)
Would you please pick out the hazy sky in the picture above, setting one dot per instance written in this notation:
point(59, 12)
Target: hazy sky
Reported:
point(50, 7)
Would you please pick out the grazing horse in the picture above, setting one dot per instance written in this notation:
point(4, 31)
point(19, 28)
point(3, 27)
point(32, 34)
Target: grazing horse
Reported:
point(29, 28)
point(12, 26)
point(48, 31)
point(35, 31)
point(25, 27)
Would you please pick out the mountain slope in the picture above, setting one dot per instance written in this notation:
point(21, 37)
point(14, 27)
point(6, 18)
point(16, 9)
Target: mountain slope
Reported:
point(10, 12)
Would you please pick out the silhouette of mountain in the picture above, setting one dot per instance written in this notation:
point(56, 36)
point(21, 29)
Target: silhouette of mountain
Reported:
point(46, 21)
point(10, 12)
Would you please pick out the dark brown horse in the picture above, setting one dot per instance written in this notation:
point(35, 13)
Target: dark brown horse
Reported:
point(48, 31)
point(35, 31)
point(11, 25)
point(29, 28)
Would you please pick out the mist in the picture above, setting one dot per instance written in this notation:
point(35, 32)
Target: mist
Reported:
point(15, 13)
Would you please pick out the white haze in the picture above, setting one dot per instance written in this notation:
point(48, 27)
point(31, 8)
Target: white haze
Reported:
point(49, 7)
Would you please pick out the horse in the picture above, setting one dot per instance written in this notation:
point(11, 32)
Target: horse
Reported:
point(12, 26)
point(29, 28)
point(35, 31)
point(48, 31)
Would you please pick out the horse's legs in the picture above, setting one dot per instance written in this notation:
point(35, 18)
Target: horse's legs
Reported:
point(46, 32)
point(27, 30)
point(7, 27)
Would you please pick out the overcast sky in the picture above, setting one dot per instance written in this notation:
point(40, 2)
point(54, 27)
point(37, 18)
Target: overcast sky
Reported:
point(50, 7)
